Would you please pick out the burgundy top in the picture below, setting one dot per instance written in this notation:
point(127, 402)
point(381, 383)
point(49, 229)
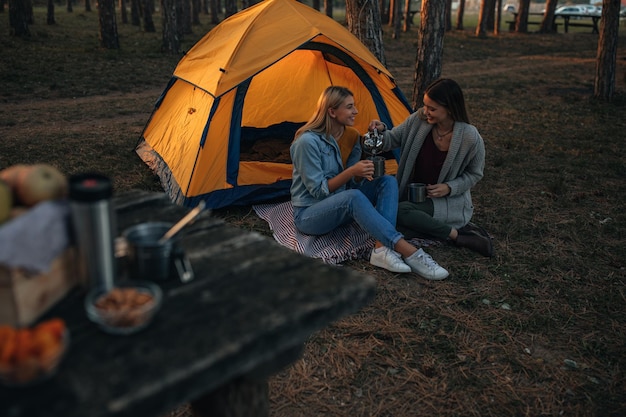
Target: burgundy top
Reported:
point(429, 162)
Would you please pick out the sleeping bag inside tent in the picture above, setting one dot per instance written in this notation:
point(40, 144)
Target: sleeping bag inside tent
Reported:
point(221, 129)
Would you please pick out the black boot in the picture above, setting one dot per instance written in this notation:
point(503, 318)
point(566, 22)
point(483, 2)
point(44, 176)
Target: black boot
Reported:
point(477, 243)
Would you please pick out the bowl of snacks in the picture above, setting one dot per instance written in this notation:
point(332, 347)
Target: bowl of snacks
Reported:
point(126, 308)
point(30, 355)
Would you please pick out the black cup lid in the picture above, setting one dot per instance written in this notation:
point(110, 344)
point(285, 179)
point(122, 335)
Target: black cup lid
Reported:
point(90, 187)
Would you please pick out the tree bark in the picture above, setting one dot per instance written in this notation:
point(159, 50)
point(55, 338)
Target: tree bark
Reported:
point(363, 20)
point(123, 13)
point(481, 25)
point(108, 26)
point(328, 8)
point(521, 24)
point(135, 12)
point(50, 13)
point(497, 18)
point(148, 22)
point(430, 48)
point(18, 18)
point(547, 22)
point(395, 17)
point(171, 41)
point(606, 62)
point(407, 16)
point(459, 15)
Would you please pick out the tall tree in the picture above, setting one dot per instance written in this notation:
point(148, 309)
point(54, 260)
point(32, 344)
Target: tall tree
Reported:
point(497, 17)
point(328, 8)
point(123, 12)
point(604, 84)
point(395, 17)
point(481, 25)
point(171, 41)
point(50, 14)
point(521, 24)
point(108, 25)
point(147, 10)
point(547, 22)
point(18, 18)
point(459, 15)
point(363, 18)
point(87, 5)
point(448, 20)
point(429, 48)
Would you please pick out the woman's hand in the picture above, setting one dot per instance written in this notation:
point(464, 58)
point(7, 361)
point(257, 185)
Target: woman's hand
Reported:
point(378, 125)
point(437, 190)
point(364, 169)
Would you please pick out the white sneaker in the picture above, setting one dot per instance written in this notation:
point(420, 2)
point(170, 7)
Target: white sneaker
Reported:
point(388, 259)
point(421, 263)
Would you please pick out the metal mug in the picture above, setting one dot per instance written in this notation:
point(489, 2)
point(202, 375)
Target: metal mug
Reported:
point(149, 259)
point(417, 192)
point(379, 166)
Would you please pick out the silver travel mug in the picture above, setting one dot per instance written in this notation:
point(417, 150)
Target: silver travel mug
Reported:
point(93, 220)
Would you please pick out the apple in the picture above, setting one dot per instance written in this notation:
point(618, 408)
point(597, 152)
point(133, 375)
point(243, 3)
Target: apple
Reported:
point(40, 182)
point(6, 201)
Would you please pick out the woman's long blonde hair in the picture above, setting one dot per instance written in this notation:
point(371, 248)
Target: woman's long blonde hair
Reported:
point(321, 122)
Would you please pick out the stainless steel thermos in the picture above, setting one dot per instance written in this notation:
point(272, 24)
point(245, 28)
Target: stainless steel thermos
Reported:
point(93, 220)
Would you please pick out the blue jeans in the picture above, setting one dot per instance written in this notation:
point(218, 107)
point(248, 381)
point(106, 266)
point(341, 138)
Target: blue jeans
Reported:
point(373, 206)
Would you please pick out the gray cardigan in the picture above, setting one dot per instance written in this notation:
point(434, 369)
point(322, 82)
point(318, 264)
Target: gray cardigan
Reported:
point(461, 170)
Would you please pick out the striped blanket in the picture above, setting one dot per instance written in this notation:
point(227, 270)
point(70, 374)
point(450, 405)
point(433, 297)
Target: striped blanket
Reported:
point(342, 244)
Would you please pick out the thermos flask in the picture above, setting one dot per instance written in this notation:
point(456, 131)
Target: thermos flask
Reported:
point(93, 220)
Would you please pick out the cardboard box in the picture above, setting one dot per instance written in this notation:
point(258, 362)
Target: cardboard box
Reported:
point(24, 297)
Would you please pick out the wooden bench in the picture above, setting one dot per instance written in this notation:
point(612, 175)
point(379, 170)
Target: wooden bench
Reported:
point(512, 24)
point(216, 339)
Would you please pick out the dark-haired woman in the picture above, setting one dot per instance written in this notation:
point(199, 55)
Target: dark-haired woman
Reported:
point(442, 149)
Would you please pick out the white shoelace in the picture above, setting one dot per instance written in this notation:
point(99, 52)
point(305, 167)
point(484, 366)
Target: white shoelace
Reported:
point(428, 260)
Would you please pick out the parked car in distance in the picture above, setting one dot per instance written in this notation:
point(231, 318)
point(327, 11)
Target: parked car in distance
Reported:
point(570, 10)
point(592, 10)
point(509, 8)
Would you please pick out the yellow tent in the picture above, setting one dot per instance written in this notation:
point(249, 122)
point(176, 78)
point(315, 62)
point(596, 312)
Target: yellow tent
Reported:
point(221, 129)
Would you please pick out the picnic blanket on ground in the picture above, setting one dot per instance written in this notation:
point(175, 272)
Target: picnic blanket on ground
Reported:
point(342, 244)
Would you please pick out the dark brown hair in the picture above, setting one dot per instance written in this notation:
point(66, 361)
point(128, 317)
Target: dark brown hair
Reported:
point(448, 93)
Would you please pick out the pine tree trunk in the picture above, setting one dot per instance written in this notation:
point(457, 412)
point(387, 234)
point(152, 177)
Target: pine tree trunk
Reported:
point(50, 13)
point(108, 25)
point(363, 20)
point(148, 22)
point(606, 63)
point(547, 23)
point(430, 48)
point(521, 25)
point(459, 15)
point(171, 42)
point(18, 18)
point(328, 7)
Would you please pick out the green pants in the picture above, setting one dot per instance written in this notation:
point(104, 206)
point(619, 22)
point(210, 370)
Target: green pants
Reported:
point(416, 220)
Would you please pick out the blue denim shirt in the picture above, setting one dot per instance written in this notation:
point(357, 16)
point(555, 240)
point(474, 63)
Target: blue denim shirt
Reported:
point(316, 159)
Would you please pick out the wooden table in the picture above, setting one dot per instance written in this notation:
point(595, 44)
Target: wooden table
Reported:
point(216, 339)
point(581, 20)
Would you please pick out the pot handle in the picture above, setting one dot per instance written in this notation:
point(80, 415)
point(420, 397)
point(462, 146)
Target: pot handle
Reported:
point(183, 267)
